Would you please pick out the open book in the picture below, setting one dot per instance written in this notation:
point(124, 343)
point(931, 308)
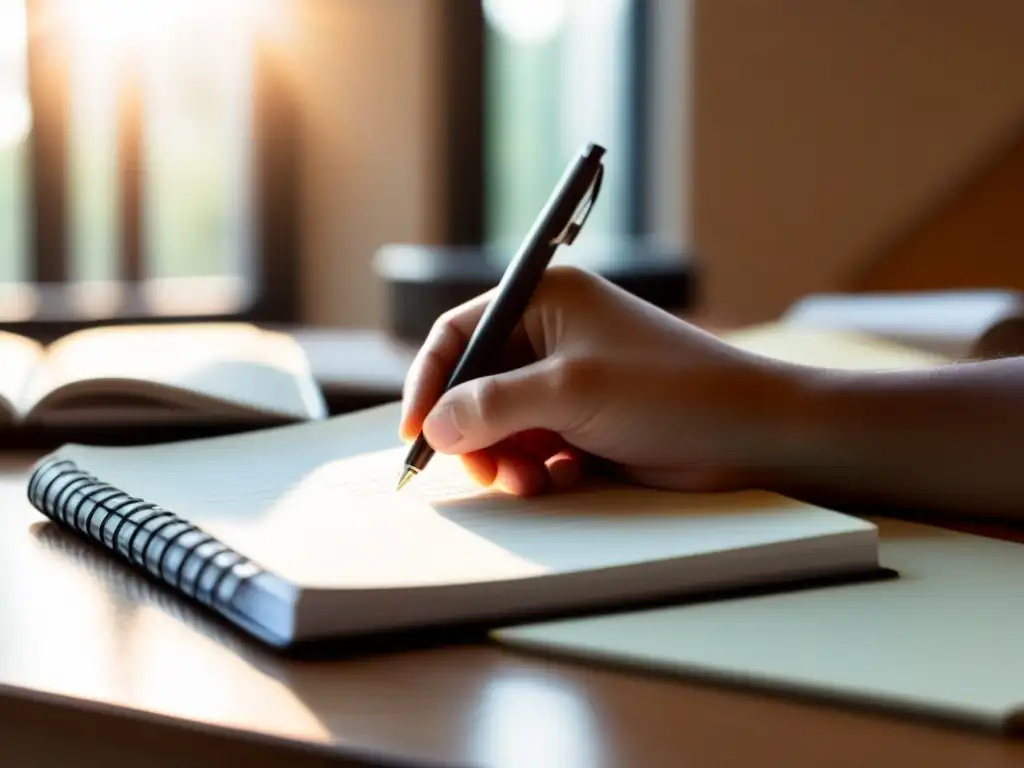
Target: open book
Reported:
point(157, 374)
point(296, 534)
point(960, 323)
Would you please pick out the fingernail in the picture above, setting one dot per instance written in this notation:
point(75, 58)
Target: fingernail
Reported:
point(441, 428)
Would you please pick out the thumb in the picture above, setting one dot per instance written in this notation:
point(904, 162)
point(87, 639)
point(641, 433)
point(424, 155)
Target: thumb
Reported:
point(480, 413)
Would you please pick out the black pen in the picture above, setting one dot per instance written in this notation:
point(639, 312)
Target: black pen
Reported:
point(558, 224)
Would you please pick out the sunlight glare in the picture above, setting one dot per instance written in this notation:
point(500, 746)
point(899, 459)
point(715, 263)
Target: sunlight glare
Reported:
point(526, 21)
point(145, 22)
point(15, 113)
point(12, 29)
point(524, 718)
point(15, 117)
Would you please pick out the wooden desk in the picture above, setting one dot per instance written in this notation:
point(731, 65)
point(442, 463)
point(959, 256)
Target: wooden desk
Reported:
point(98, 666)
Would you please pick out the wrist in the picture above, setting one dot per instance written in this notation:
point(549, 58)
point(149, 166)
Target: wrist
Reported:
point(796, 426)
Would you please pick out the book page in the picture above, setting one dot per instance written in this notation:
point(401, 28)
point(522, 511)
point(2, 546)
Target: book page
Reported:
point(948, 322)
point(297, 502)
point(19, 359)
point(232, 363)
point(830, 348)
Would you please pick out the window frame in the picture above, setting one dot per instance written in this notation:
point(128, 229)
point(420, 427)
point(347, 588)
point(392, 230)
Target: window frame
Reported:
point(656, 263)
point(276, 163)
point(463, 64)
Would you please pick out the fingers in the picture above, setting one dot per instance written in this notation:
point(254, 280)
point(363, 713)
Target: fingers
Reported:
point(522, 474)
point(561, 289)
point(538, 445)
point(565, 469)
point(486, 411)
point(433, 363)
point(481, 466)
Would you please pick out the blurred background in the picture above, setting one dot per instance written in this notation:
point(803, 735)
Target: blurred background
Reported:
point(252, 158)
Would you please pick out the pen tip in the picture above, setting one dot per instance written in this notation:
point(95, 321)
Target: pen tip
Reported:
point(407, 475)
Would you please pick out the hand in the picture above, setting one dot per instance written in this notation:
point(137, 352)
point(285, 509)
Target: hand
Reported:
point(594, 373)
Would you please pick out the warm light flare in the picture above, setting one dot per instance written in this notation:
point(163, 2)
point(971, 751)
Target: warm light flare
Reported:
point(145, 22)
point(12, 30)
point(526, 21)
point(15, 115)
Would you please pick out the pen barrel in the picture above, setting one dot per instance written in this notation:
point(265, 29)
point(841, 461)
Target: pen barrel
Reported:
point(419, 454)
point(556, 225)
point(526, 270)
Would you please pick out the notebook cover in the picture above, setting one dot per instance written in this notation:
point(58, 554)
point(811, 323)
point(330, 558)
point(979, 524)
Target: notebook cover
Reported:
point(941, 642)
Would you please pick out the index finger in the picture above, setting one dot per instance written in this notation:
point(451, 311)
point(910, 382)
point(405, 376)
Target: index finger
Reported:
point(433, 363)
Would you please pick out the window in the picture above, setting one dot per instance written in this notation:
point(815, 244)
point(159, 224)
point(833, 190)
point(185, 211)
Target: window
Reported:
point(560, 73)
point(526, 83)
point(147, 163)
point(15, 117)
point(553, 75)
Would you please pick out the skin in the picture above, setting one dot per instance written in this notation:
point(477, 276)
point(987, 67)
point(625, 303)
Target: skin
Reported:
point(596, 380)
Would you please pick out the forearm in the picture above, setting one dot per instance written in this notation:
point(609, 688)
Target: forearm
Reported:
point(946, 440)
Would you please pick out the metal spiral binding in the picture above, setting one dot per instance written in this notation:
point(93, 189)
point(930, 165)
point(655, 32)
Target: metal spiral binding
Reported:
point(144, 534)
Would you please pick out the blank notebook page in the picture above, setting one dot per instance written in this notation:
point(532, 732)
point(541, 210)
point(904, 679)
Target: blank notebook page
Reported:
point(296, 502)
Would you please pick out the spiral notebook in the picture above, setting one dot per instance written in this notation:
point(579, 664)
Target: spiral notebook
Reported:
point(297, 535)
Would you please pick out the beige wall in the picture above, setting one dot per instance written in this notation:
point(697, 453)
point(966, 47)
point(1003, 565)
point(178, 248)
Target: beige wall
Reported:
point(975, 240)
point(815, 134)
point(365, 69)
point(823, 130)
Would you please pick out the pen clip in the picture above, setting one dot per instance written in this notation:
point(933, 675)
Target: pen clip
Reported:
point(572, 229)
